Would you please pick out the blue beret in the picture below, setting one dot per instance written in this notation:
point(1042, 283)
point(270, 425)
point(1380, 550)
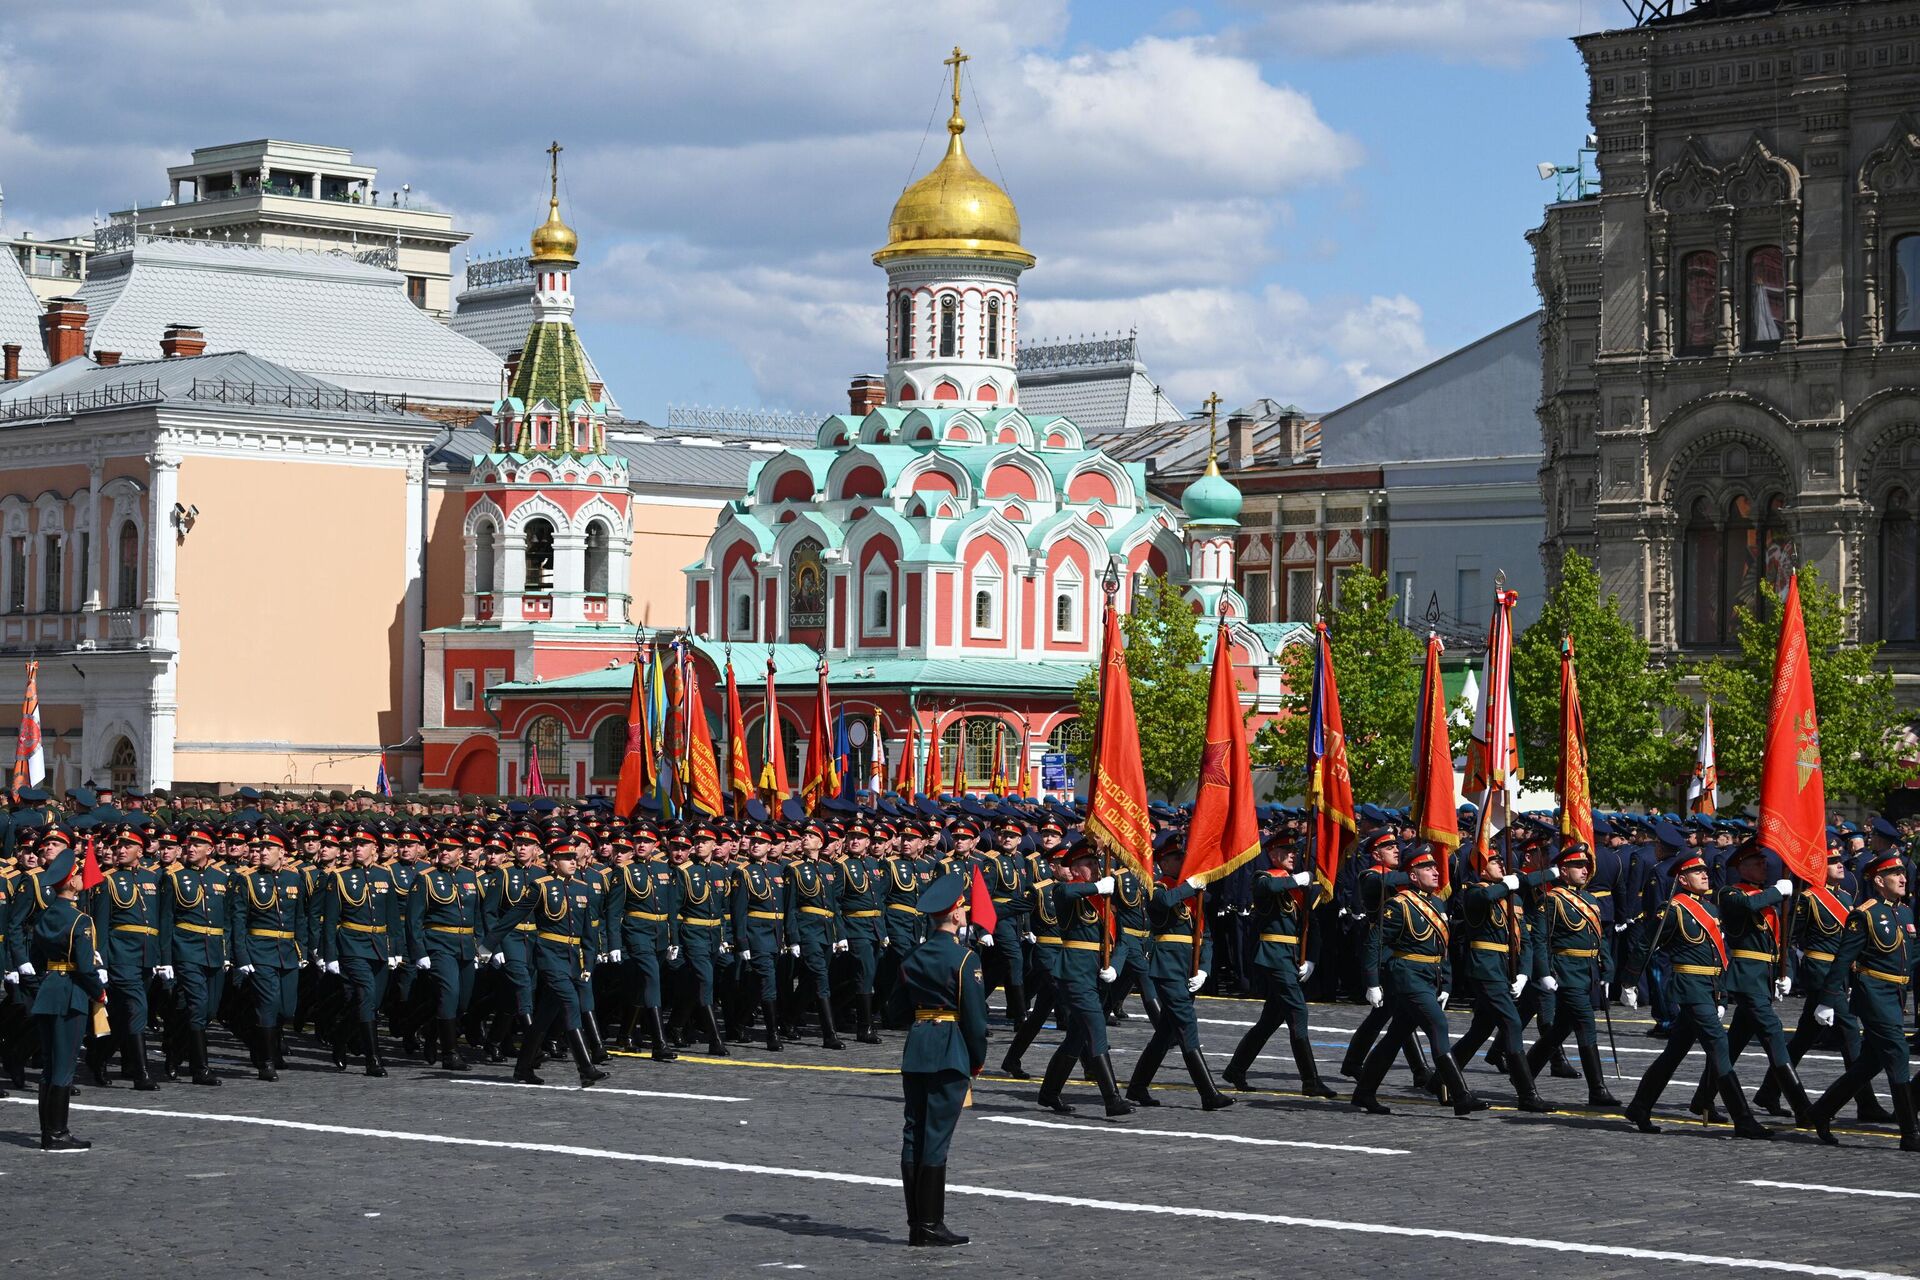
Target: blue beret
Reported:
point(1884, 829)
point(1668, 834)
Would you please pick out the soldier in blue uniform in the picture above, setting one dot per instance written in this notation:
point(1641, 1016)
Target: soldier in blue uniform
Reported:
point(1577, 964)
point(195, 922)
point(125, 915)
point(63, 952)
point(942, 991)
point(443, 926)
point(1283, 900)
point(267, 907)
point(1876, 953)
point(562, 916)
point(361, 941)
point(1178, 956)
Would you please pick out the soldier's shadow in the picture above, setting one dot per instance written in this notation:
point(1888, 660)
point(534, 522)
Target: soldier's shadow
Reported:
point(800, 1224)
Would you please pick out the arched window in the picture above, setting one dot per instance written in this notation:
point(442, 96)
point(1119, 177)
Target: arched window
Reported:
point(597, 542)
point(876, 600)
point(1070, 739)
point(1726, 555)
point(1899, 569)
point(743, 613)
point(483, 557)
point(993, 328)
point(983, 610)
point(123, 765)
point(1699, 301)
point(1905, 292)
point(903, 328)
point(1704, 571)
point(949, 315)
point(1063, 613)
point(547, 740)
point(1766, 298)
point(609, 748)
point(126, 591)
point(975, 736)
point(539, 535)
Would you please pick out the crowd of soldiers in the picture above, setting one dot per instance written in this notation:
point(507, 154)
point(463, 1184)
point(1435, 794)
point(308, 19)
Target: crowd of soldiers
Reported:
point(532, 931)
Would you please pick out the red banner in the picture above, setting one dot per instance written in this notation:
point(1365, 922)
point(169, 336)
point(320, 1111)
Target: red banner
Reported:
point(1575, 789)
point(633, 762)
point(1329, 784)
point(1224, 833)
point(1793, 789)
point(773, 769)
point(703, 771)
point(1117, 809)
point(1435, 806)
point(739, 772)
point(822, 779)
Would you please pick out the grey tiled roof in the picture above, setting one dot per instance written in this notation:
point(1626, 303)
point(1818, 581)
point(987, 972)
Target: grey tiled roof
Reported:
point(1113, 398)
point(224, 378)
point(20, 315)
point(665, 464)
point(321, 313)
point(497, 317)
point(1180, 444)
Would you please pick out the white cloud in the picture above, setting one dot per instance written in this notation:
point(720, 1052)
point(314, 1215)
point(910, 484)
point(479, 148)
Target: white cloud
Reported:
point(1499, 32)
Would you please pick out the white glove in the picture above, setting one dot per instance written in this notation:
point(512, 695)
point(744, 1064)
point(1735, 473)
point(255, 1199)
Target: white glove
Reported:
point(1103, 885)
point(1196, 982)
point(746, 953)
point(1443, 1000)
point(726, 948)
point(480, 960)
point(792, 950)
point(25, 971)
point(333, 967)
point(986, 939)
point(102, 975)
point(10, 977)
point(1195, 882)
point(1553, 873)
point(424, 962)
point(1824, 1015)
point(1031, 937)
point(1622, 926)
point(614, 955)
point(1302, 879)
point(1512, 882)
point(1306, 970)
point(1630, 998)
point(886, 941)
point(1783, 887)
point(1109, 973)
point(1549, 983)
point(393, 962)
point(226, 964)
point(600, 957)
point(1721, 1010)
point(1783, 988)
point(163, 971)
point(246, 968)
point(1376, 997)
point(1519, 985)
point(99, 961)
point(840, 945)
point(673, 953)
point(497, 959)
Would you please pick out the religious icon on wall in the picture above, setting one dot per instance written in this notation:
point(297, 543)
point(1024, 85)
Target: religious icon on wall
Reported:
point(806, 586)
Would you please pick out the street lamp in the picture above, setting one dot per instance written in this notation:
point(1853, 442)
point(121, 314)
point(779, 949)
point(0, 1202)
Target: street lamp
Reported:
point(1110, 579)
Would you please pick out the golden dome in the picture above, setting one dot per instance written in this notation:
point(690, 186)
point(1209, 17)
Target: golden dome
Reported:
point(553, 240)
point(954, 211)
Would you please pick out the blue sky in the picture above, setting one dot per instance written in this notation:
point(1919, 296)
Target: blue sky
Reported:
point(1293, 198)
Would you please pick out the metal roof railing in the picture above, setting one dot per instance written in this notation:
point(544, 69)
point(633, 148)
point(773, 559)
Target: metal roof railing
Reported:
point(113, 396)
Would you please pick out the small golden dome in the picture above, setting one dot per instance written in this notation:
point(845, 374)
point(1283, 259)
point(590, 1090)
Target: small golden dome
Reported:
point(553, 240)
point(954, 211)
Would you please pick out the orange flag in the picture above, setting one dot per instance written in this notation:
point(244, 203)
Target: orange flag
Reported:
point(1329, 784)
point(1224, 833)
point(739, 772)
point(773, 770)
point(1435, 806)
point(1117, 808)
point(934, 780)
point(1576, 793)
point(633, 762)
point(903, 771)
point(1793, 788)
point(703, 772)
point(822, 779)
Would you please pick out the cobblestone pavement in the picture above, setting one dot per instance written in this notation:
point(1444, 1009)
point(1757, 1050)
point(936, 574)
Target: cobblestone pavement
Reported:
point(766, 1163)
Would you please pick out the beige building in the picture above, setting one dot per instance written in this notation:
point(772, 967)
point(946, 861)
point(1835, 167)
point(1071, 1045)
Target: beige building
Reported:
point(1731, 331)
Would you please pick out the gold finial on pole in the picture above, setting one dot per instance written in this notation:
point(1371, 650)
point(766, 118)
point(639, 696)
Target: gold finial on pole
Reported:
point(956, 123)
point(553, 170)
point(1212, 405)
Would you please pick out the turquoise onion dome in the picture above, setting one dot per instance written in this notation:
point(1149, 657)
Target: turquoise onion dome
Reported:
point(1212, 499)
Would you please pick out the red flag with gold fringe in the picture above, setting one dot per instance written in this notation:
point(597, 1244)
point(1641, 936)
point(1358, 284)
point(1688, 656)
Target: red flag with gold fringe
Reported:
point(1117, 808)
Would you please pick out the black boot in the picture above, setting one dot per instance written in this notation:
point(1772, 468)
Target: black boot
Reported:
point(716, 1047)
point(1140, 1079)
point(1598, 1095)
point(909, 1178)
point(1905, 1108)
point(1310, 1082)
point(1744, 1125)
point(450, 1057)
point(1796, 1093)
point(1237, 1066)
point(59, 1139)
point(772, 1019)
point(1211, 1099)
point(340, 1038)
point(99, 1060)
point(197, 1057)
point(134, 1059)
point(263, 1054)
point(657, 1032)
point(1424, 1076)
point(1101, 1069)
point(1523, 1086)
point(1059, 1067)
point(829, 1039)
point(1464, 1101)
point(375, 1067)
point(1016, 1003)
point(43, 1104)
point(1562, 1069)
point(523, 1071)
point(583, 1059)
point(930, 1197)
point(277, 1047)
point(590, 1028)
point(866, 1034)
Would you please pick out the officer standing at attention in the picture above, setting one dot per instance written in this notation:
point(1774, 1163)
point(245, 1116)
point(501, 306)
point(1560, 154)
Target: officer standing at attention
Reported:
point(266, 948)
point(443, 920)
point(124, 912)
point(359, 928)
point(194, 922)
point(62, 951)
point(941, 988)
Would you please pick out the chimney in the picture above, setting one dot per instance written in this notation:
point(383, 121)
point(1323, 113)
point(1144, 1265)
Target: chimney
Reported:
point(513, 365)
point(182, 340)
point(106, 359)
point(10, 362)
point(596, 391)
point(865, 394)
point(63, 329)
point(1239, 442)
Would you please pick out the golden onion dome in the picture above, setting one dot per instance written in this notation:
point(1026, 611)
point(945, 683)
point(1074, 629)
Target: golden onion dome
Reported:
point(954, 211)
point(553, 240)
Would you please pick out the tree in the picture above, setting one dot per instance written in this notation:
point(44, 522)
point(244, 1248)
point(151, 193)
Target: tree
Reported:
point(1376, 663)
point(1165, 653)
point(1625, 698)
point(1861, 726)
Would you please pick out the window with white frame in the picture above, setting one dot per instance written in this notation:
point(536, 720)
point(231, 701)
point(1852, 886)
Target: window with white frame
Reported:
point(1302, 596)
point(463, 690)
point(987, 589)
point(1068, 592)
point(876, 600)
point(740, 603)
point(490, 677)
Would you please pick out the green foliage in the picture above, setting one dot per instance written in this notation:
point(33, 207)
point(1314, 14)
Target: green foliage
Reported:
point(1860, 724)
point(1376, 664)
point(1165, 653)
point(1623, 696)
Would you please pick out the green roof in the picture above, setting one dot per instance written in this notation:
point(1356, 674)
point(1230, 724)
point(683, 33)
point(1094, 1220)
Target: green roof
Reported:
point(552, 367)
point(795, 667)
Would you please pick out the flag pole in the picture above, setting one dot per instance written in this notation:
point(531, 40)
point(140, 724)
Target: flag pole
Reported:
point(1109, 586)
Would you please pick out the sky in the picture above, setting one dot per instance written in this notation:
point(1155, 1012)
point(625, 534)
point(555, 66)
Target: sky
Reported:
point(1299, 199)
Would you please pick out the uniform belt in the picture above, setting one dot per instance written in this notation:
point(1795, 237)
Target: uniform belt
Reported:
point(1174, 937)
point(566, 939)
point(1047, 939)
point(1897, 979)
point(646, 915)
point(1135, 933)
point(269, 933)
point(147, 929)
point(1752, 955)
point(209, 930)
point(934, 1015)
point(1825, 956)
point(1408, 955)
point(1703, 970)
point(524, 927)
point(765, 915)
point(357, 927)
point(1279, 937)
point(1074, 944)
point(461, 930)
point(1578, 953)
point(60, 966)
point(1489, 946)
point(1002, 901)
point(861, 915)
point(903, 906)
point(705, 924)
point(816, 911)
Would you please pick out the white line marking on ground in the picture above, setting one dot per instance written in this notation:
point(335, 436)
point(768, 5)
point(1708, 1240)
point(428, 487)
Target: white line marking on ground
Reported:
point(624, 1093)
point(892, 1186)
point(1838, 1191)
point(1204, 1137)
point(1347, 1034)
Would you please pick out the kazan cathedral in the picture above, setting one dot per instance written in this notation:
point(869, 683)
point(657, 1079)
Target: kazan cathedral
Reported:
point(945, 554)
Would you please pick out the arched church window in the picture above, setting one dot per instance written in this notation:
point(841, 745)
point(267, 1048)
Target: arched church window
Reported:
point(1699, 301)
point(609, 748)
point(483, 557)
point(993, 328)
point(1766, 298)
point(1899, 569)
point(546, 740)
point(127, 581)
point(597, 545)
point(903, 328)
point(539, 536)
point(949, 322)
point(1905, 293)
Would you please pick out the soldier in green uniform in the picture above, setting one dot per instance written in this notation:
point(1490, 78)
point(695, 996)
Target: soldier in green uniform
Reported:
point(1689, 935)
point(1578, 962)
point(267, 911)
point(1414, 987)
point(1876, 952)
point(941, 989)
point(1282, 902)
point(1498, 955)
point(562, 917)
point(443, 926)
point(701, 888)
point(361, 941)
point(862, 886)
point(63, 952)
point(901, 889)
point(1081, 1016)
point(1009, 888)
point(509, 914)
point(1178, 956)
point(1128, 959)
point(758, 918)
point(645, 901)
point(195, 922)
point(814, 924)
point(1048, 948)
point(125, 915)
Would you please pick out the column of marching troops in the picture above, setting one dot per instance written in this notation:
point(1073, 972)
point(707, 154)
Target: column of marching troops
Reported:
point(525, 934)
